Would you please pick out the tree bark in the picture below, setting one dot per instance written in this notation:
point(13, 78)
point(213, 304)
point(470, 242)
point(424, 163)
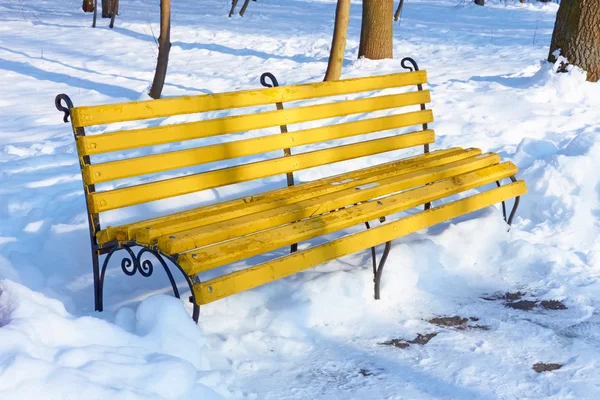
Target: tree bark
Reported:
point(376, 29)
point(398, 10)
point(577, 35)
point(338, 43)
point(164, 47)
point(480, 2)
point(244, 7)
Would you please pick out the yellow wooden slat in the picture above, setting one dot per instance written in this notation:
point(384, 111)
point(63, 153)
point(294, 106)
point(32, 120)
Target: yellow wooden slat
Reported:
point(106, 114)
point(261, 242)
point(124, 197)
point(148, 230)
point(357, 193)
point(149, 235)
point(214, 289)
point(128, 168)
point(135, 138)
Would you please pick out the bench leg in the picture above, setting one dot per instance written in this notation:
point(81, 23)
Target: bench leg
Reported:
point(513, 212)
point(379, 270)
point(132, 263)
point(97, 284)
point(192, 280)
point(373, 253)
point(282, 128)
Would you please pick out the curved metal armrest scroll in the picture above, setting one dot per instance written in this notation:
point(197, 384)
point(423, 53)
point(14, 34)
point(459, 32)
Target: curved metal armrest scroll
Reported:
point(271, 77)
point(413, 64)
point(69, 104)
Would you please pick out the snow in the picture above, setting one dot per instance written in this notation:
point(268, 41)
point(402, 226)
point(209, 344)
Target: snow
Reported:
point(316, 334)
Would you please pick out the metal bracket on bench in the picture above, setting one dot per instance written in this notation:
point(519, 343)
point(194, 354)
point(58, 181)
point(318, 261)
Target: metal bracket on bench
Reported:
point(513, 212)
point(378, 269)
point(283, 129)
point(132, 263)
point(67, 110)
point(410, 64)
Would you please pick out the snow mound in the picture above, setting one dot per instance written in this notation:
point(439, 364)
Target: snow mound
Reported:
point(44, 349)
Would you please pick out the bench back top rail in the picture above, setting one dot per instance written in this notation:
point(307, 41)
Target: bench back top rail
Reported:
point(123, 194)
point(111, 113)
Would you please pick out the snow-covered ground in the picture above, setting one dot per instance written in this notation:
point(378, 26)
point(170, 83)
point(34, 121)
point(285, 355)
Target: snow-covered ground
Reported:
point(319, 334)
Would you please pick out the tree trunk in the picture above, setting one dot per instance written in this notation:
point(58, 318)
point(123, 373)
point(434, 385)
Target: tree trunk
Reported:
point(88, 6)
point(113, 13)
point(480, 2)
point(577, 35)
point(376, 29)
point(107, 8)
point(164, 46)
point(398, 10)
point(233, 4)
point(243, 10)
point(338, 43)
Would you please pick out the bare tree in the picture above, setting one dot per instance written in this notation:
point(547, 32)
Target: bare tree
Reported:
point(164, 47)
point(577, 35)
point(398, 10)
point(338, 43)
point(244, 7)
point(376, 29)
point(242, 10)
point(233, 4)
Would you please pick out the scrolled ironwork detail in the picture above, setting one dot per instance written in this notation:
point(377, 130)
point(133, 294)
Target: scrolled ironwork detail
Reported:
point(69, 104)
point(133, 263)
point(271, 77)
point(413, 64)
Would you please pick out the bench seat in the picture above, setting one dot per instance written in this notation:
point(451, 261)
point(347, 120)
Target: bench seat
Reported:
point(216, 235)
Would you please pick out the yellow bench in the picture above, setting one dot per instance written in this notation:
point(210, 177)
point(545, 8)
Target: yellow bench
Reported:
point(208, 237)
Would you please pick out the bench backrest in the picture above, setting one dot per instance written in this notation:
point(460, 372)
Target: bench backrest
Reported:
point(125, 140)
